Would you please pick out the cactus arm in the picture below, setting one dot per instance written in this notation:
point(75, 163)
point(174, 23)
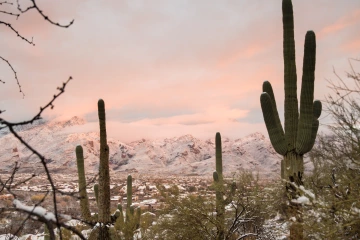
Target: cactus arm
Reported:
point(268, 89)
point(84, 202)
point(315, 125)
point(315, 128)
point(215, 177)
point(96, 193)
point(46, 233)
point(229, 199)
point(121, 216)
point(290, 78)
point(317, 108)
point(137, 217)
point(305, 128)
point(276, 133)
point(218, 155)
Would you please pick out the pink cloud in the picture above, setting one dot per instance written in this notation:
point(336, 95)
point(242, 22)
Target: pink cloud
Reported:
point(249, 51)
point(212, 114)
point(351, 46)
point(341, 23)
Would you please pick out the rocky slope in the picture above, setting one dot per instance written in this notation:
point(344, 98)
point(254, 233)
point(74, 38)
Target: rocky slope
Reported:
point(183, 155)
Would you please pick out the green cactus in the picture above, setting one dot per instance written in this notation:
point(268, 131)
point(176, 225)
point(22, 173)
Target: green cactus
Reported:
point(218, 183)
point(132, 217)
point(129, 192)
point(119, 217)
point(84, 202)
point(221, 201)
point(299, 133)
point(96, 192)
point(46, 233)
point(102, 192)
point(137, 217)
point(218, 155)
point(300, 129)
point(104, 175)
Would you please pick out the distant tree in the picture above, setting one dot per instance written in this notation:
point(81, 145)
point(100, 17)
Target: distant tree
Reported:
point(335, 212)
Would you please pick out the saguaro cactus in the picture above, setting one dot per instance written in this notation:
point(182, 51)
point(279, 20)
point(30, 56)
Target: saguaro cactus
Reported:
point(46, 233)
point(132, 218)
point(84, 202)
point(129, 192)
point(104, 176)
point(300, 129)
point(220, 189)
point(102, 192)
point(218, 182)
point(96, 192)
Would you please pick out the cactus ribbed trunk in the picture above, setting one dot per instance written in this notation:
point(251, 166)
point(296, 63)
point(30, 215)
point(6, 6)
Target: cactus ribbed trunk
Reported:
point(84, 202)
point(129, 192)
point(291, 101)
point(219, 189)
point(218, 155)
point(104, 176)
point(292, 167)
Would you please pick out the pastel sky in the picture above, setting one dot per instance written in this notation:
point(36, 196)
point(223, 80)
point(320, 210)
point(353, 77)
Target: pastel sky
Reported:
point(168, 68)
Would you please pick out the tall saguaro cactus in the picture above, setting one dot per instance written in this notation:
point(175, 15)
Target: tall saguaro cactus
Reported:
point(84, 202)
point(102, 192)
point(221, 201)
point(300, 129)
point(104, 176)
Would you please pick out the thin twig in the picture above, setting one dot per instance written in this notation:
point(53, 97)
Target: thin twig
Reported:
point(42, 14)
point(6, 2)
point(17, 33)
point(10, 13)
point(17, 80)
point(38, 115)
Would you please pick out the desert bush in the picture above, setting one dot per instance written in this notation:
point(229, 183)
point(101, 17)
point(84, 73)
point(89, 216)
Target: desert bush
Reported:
point(193, 216)
point(37, 198)
point(334, 213)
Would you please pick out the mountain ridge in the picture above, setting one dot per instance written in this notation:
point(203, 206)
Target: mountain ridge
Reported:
point(179, 155)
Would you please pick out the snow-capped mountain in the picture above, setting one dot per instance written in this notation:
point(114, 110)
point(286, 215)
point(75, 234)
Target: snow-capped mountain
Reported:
point(183, 155)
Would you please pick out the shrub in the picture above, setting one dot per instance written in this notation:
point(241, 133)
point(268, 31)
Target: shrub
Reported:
point(37, 198)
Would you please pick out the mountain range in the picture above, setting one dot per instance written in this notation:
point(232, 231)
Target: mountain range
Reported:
point(183, 155)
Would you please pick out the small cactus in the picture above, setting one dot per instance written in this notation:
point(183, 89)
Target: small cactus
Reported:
point(84, 202)
point(96, 192)
point(46, 233)
point(129, 192)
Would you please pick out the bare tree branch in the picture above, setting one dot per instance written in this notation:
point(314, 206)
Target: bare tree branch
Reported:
point(6, 2)
point(10, 13)
point(17, 80)
point(38, 115)
point(34, 6)
point(17, 33)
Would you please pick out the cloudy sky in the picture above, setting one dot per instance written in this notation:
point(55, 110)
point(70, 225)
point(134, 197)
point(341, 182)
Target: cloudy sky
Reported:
point(167, 68)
